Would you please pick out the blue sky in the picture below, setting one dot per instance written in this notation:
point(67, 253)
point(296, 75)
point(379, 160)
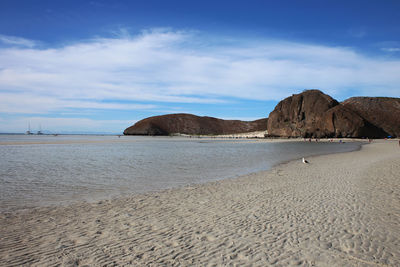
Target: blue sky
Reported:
point(100, 66)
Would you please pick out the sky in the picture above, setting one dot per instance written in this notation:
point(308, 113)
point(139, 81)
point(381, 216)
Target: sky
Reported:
point(100, 66)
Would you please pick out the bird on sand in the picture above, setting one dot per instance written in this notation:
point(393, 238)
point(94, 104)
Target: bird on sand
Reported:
point(305, 161)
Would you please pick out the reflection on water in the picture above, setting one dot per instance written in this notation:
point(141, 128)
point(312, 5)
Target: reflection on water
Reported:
point(90, 168)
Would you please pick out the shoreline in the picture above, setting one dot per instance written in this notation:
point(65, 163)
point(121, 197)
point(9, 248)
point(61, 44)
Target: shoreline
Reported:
point(291, 214)
point(64, 202)
point(67, 204)
point(245, 137)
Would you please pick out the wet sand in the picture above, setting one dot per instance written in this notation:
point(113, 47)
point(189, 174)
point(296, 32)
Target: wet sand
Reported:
point(339, 210)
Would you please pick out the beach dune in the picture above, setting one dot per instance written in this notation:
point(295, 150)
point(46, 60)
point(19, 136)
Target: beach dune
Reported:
point(339, 210)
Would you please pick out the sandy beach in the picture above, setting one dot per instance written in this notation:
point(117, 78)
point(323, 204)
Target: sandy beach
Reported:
point(339, 210)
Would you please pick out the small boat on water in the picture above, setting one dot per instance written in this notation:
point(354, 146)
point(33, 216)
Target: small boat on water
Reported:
point(40, 130)
point(29, 130)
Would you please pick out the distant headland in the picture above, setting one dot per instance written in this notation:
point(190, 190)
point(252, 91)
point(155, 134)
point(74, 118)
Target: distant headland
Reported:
point(308, 114)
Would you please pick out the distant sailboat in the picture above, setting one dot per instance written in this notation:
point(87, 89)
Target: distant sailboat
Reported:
point(40, 130)
point(29, 129)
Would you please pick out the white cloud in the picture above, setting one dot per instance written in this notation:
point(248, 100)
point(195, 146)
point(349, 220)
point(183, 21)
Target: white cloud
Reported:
point(18, 41)
point(391, 49)
point(28, 103)
point(187, 67)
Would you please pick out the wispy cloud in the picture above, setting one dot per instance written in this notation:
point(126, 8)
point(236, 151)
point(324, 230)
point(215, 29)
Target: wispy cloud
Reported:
point(28, 103)
point(391, 49)
point(181, 67)
point(17, 41)
point(388, 46)
point(357, 32)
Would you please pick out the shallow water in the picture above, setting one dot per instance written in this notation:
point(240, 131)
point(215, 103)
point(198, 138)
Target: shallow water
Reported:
point(91, 168)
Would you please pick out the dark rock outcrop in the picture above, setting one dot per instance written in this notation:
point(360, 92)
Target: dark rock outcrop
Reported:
point(193, 125)
point(300, 114)
point(382, 112)
point(315, 114)
point(309, 114)
point(340, 121)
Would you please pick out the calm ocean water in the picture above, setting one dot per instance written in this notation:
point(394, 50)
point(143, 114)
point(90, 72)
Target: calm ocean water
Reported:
point(91, 168)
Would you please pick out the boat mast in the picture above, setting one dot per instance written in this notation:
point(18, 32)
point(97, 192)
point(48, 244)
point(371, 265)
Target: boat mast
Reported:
point(40, 130)
point(29, 128)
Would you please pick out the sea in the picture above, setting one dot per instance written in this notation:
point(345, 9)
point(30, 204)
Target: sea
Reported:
point(47, 170)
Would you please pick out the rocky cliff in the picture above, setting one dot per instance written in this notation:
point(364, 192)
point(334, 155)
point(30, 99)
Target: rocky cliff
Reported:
point(315, 114)
point(340, 121)
point(383, 112)
point(300, 114)
point(194, 125)
point(309, 114)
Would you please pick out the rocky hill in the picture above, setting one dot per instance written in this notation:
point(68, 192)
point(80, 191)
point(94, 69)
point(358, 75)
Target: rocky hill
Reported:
point(308, 114)
point(193, 125)
point(315, 114)
point(383, 112)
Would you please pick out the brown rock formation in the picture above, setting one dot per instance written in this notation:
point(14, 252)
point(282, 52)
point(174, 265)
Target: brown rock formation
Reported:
point(300, 114)
point(315, 114)
point(383, 112)
point(191, 124)
point(309, 114)
point(340, 121)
